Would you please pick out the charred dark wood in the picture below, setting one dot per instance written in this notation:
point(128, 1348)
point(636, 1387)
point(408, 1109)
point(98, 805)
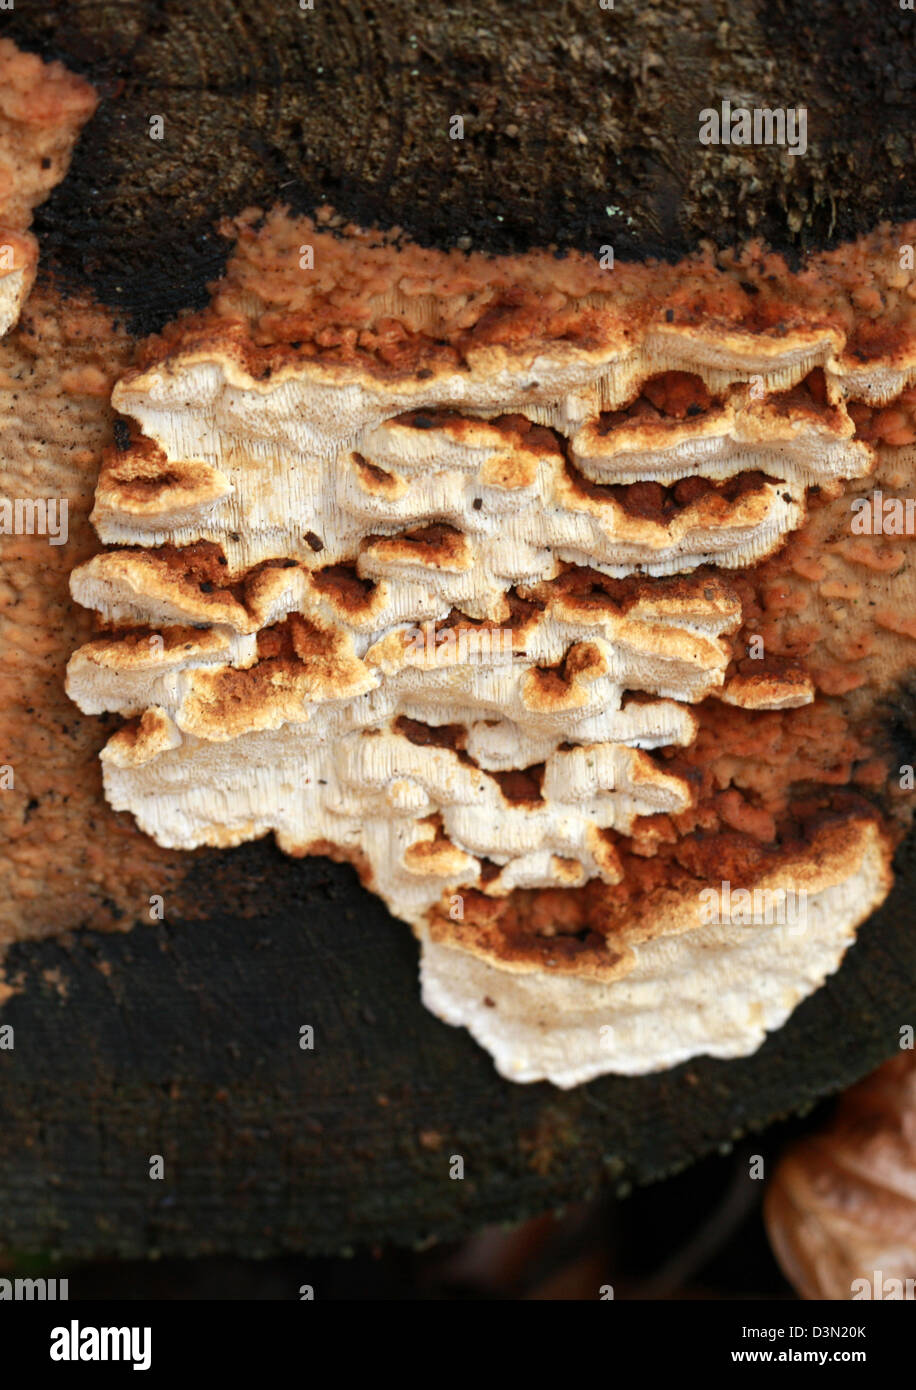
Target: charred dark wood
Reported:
point(182, 1039)
point(580, 126)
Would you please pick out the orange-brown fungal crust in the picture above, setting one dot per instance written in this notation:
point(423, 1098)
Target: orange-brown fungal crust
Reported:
point(43, 107)
point(373, 300)
point(590, 931)
point(68, 859)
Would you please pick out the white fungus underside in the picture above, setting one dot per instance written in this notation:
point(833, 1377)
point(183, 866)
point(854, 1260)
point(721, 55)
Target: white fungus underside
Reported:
point(713, 990)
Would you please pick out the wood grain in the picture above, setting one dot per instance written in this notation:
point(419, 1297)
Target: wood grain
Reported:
point(580, 126)
point(183, 1040)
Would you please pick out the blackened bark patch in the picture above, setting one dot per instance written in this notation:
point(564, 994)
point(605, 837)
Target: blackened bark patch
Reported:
point(572, 139)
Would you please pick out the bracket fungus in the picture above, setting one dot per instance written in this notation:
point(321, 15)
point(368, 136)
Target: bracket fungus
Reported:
point(337, 487)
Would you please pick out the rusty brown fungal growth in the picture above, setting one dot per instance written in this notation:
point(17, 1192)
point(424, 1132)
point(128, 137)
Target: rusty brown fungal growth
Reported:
point(42, 109)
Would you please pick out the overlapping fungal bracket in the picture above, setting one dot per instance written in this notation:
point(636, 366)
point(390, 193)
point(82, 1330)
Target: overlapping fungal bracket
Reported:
point(465, 504)
point(418, 560)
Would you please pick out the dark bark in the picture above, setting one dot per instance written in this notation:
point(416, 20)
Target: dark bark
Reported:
point(183, 1040)
point(350, 103)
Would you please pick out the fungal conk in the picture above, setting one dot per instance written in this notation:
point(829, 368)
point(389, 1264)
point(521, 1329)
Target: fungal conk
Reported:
point(530, 588)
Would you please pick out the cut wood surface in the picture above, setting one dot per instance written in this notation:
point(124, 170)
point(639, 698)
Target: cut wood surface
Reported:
point(182, 1039)
point(580, 126)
